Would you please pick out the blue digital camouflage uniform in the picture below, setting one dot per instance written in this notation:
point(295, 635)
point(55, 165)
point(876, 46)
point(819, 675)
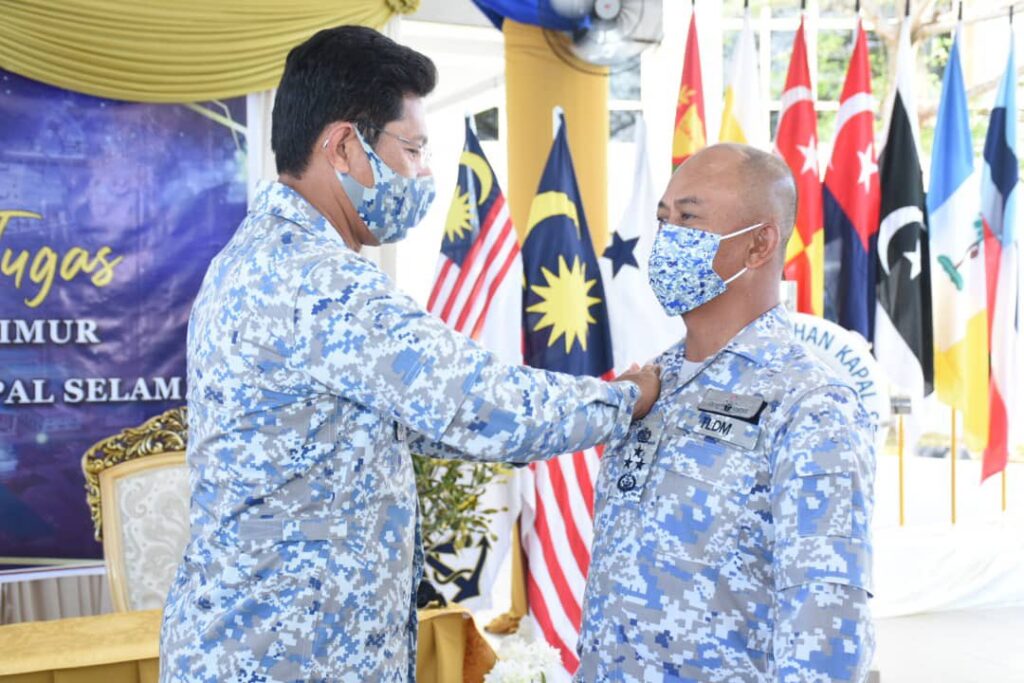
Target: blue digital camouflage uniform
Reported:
point(731, 532)
point(310, 380)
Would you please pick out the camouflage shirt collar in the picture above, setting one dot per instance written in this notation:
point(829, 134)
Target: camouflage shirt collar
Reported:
point(764, 339)
point(282, 201)
point(761, 342)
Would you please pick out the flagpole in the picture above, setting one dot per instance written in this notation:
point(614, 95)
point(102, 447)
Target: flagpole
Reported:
point(952, 466)
point(900, 446)
point(556, 120)
point(1002, 475)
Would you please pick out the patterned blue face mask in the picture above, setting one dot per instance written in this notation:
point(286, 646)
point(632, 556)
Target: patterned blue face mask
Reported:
point(680, 267)
point(394, 204)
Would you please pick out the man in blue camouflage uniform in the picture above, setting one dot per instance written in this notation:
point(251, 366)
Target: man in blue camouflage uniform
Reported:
point(731, 533)
point(311, 379)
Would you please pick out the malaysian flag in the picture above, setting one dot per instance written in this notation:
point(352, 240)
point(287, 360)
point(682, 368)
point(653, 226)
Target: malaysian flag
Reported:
point(478, 291)
point(566, 329)
point(479, 267)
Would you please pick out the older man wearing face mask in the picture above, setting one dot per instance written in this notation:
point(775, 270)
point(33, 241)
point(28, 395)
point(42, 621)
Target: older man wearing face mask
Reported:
point(311, 379)
point(731, 532)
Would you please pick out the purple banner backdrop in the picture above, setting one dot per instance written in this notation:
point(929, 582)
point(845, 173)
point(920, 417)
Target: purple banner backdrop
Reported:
point(109, 215)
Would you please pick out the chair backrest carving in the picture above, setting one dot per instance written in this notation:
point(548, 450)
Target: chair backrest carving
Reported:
point(137, 491)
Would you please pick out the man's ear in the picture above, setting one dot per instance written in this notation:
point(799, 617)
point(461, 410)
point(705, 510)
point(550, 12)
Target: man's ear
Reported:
point(763, 246)
point(336, 142)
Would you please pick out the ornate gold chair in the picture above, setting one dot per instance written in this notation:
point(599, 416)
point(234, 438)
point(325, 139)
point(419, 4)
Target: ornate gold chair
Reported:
point(136, 486)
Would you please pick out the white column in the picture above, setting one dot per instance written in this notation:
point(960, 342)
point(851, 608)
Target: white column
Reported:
point(259, 157)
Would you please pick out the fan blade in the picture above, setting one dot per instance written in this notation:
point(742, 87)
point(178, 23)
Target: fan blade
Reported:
point(573, 9)
point(612, 38)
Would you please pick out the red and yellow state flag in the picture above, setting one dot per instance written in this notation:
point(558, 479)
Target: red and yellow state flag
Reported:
point(690, 133)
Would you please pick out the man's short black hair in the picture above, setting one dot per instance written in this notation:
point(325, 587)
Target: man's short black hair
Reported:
point(347, 73)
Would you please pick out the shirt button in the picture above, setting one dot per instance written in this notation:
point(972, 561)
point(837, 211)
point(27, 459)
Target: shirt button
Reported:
point(627, 482)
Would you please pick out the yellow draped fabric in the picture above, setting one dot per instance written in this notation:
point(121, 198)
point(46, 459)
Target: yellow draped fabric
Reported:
point(181, 51)
point(536, 80)
point(451, 648)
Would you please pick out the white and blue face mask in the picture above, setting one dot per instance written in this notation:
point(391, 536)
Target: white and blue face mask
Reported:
point(394, 203)
point(680, 267)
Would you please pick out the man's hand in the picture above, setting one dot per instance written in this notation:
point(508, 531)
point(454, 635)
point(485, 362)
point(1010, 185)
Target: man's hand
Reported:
point(648, 378)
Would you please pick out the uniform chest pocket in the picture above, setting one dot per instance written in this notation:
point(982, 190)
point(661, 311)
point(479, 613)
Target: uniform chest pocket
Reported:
point(724, 453)
point(698, 496)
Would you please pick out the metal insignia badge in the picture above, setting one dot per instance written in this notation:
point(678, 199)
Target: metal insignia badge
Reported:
point(635, 460)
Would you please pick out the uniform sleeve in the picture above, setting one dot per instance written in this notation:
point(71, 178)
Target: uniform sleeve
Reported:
point(519, 414)
point(822, 478)
point(364, 341)
point(823, 633)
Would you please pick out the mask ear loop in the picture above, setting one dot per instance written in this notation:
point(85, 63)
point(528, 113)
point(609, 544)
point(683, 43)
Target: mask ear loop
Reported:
point(745, 230)
point(359, 137)
point(736, 276)
point(737, 234)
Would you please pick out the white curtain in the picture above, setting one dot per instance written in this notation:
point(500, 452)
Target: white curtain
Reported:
point(40, 595)
point(931, 565)
point(258, 109)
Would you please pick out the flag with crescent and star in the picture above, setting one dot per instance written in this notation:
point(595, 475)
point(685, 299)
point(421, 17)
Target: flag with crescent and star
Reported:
point(796, 141)
point(851, 197)
point(640, 327)
point(479, 271)
point(565, 323)
point(566, 320)
point(478, 291)
point(903, 317)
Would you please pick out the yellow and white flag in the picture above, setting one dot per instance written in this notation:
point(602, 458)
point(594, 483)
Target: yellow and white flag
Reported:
point(958, 262)
point(744, 118)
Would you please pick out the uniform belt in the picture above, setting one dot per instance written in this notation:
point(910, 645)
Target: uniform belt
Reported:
point(288, 530)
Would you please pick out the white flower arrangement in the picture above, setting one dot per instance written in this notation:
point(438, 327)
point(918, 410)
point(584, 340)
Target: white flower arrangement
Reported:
point(523, 662)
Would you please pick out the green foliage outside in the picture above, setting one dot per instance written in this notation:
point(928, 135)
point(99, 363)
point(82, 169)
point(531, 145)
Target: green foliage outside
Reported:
point(833, 54)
